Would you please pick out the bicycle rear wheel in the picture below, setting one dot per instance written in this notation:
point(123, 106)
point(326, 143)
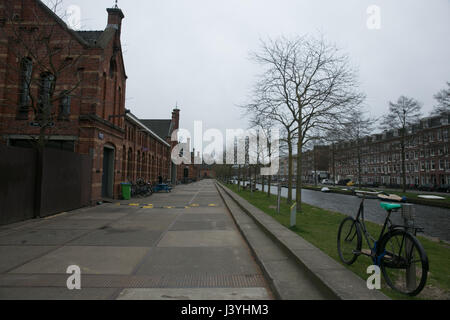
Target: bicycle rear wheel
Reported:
point(405, 263)
point(349, 240)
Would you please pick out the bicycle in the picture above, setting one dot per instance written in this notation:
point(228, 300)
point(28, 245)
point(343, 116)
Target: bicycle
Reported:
point(399, 254)
point(141, 188)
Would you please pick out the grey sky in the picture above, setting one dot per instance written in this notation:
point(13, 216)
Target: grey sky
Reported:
point(196, 52)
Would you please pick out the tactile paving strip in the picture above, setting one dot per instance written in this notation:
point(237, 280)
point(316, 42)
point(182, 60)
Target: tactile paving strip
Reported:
point(125, 281)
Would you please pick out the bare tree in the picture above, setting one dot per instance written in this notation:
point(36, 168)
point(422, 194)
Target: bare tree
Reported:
point(358, 127)
point(264, 126)
point(401, 117)
point(443, 101)
point(312, 83)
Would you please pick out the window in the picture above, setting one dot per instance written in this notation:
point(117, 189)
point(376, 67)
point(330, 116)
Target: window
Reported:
point(112, 67)
point(26, 71)
point(64, 106)
point(46, 87)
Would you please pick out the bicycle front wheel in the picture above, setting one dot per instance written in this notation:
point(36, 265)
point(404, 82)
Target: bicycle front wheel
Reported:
point(349, 240)
point(405, 263)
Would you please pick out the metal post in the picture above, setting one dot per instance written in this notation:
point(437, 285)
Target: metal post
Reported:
point(279, 197)
point(294, 215)
point(408, 215)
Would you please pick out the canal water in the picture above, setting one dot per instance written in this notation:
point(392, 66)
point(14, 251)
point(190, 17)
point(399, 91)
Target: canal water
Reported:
point(434, 220)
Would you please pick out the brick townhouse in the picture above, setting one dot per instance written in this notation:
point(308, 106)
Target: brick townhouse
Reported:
point(92, 118)
point(427, 156)
point(314, 162)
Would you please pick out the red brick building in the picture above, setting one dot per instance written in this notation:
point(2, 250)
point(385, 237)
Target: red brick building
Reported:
point(89, 117)
point(427, 156)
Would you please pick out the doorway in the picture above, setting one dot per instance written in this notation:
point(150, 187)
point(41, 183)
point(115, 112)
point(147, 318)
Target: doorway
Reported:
point(108, 172)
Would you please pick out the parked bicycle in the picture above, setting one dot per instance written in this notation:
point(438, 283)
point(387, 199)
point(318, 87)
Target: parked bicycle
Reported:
point(399, 254)
point(141, 188)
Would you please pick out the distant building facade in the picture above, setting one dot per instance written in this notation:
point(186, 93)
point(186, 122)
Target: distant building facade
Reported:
point(315, 164)
point(427, 156)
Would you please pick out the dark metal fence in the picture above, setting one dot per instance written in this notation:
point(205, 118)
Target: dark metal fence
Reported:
point(65, 185)
point(17, 184)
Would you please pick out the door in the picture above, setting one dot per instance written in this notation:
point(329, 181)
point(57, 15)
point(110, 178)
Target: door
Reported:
point(108, 173)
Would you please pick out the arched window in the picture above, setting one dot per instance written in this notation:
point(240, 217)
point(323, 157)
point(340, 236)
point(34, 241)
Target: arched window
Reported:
point(104, 94)
point(26, 72)
point(130, 165)
point(138, 163)
point(124, 163)
point(46, 87)
point(64, 105)
point(112, 67)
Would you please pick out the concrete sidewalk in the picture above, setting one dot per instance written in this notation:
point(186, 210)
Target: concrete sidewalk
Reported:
point(178, 245)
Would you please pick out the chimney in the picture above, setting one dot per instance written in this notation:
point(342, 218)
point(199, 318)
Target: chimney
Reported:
point(115, 16)
point(176, 118)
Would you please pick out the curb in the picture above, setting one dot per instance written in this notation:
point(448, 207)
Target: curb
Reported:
point(326, 272)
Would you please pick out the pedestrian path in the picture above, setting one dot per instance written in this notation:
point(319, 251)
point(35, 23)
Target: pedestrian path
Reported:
point(179, 245)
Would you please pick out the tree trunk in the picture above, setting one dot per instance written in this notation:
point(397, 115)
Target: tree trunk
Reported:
point(262, 183)
point(358, 149)
point(269, 184)
point(299, 171)
point(239, 178)
point(315, 167)
point(333, 163)
point(403, 163)
point(290, 171)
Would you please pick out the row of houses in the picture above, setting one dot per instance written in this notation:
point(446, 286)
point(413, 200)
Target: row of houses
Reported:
point(89, 116)
point(427, 158)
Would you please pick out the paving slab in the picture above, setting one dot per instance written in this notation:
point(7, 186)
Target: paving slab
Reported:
point(204, 217)
point(201, 238)
point(41, 237)
point(198, 261)
point(91, 260)
point(201, 225)
point(143, 224)
point(55, 294)
point(196, 294)
point(74, 224)
point(13, 256)
point(118, 237)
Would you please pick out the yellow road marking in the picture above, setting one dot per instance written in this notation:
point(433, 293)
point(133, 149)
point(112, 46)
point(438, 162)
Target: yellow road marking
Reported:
point(212, 205)
point(134, 204)
point(195, 205)
point(148, 207)
point(168, 207)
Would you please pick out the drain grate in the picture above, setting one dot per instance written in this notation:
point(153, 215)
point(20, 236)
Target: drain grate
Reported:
point(124, 281)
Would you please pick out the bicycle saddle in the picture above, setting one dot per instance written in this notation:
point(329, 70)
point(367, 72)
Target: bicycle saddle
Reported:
point(390, 206)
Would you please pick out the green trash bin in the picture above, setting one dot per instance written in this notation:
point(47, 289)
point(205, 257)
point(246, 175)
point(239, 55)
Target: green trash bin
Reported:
point(126, 191)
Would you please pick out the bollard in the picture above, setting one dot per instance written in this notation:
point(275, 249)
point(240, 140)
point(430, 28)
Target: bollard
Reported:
point(408, 215)
point(279, 198)
point(294, 215)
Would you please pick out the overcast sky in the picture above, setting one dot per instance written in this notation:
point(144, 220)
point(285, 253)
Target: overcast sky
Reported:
point(196, 52)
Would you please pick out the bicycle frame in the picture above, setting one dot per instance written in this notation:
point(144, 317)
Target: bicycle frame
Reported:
point(369, 239)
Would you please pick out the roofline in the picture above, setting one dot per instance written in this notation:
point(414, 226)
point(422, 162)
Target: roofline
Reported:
point(63, 24)
point(136, 120)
